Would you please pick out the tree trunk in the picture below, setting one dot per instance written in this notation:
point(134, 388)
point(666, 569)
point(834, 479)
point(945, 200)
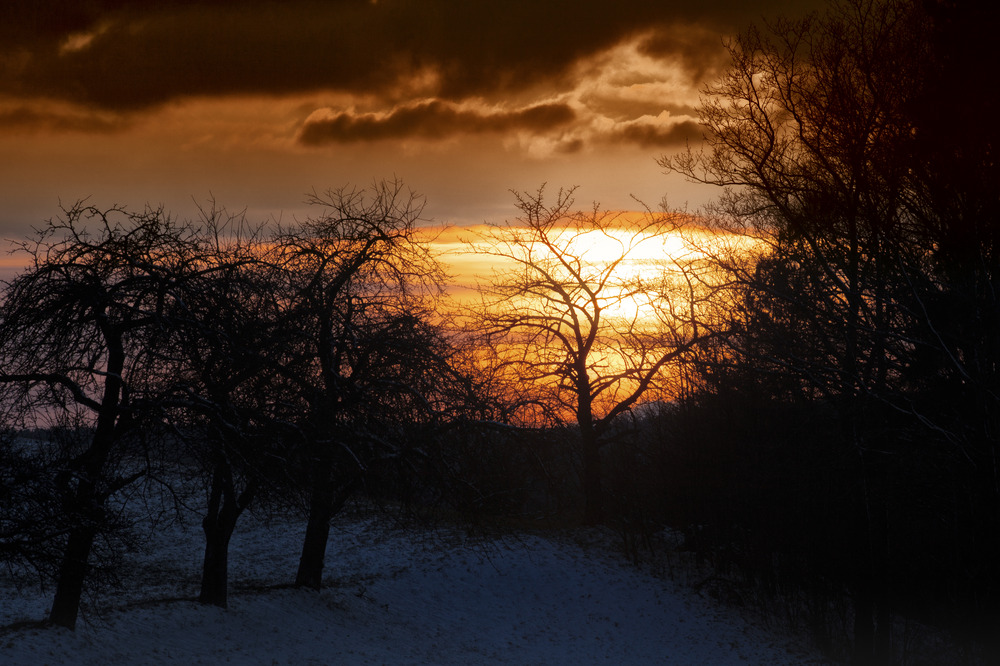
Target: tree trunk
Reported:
point(325, 502)
point(215, 569)
point(74, 567)
point(72, 573)
point(310, 573)
point(311, 562)
point(88, 504)
point(219, 525)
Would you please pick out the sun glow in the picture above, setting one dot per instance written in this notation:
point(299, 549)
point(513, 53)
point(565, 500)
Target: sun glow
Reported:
point(614, 291)
point(634, 269)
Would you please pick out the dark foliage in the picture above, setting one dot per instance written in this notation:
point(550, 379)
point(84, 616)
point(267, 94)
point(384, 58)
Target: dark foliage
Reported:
point(844, 436)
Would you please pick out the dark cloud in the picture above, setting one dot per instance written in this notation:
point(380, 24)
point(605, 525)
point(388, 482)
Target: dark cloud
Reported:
point(431, 120)
point(698, 49)
point(38, 22)
point(658, 135)
point(127, 55)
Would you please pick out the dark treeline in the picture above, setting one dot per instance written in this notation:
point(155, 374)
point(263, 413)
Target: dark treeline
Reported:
point(826, 389)
point(846, 432)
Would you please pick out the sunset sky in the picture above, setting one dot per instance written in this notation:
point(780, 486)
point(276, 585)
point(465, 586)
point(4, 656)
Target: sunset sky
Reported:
point(257, 103)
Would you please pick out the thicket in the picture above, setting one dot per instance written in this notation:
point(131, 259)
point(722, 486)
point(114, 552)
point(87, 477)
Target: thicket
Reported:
point(843, 437)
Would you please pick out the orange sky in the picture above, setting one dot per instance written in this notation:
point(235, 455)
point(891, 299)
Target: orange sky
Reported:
point(257, 103)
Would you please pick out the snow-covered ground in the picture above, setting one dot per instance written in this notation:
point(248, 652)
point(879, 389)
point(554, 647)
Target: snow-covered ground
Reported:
point(396, 597)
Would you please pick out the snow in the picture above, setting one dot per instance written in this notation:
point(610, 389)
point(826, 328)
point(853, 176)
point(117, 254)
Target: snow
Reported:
point(395, 596)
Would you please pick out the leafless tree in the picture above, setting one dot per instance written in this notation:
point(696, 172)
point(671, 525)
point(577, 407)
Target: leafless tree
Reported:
point(228, 401)
point(77, 328)
point(585, 318)
point(357, 278)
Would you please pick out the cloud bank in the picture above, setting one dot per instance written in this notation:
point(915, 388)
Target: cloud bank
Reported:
point(419, 68)
point(430, 120)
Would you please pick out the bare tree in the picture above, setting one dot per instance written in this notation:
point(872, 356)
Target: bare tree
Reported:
point(357, 278)
point(582, 315)
point(228, 399)
point(76, 330)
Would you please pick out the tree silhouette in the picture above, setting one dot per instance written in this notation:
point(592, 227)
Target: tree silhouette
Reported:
point(76, 333)
point(582, 320)
point(823, 135)
point(228, 400)
point(356, 278)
